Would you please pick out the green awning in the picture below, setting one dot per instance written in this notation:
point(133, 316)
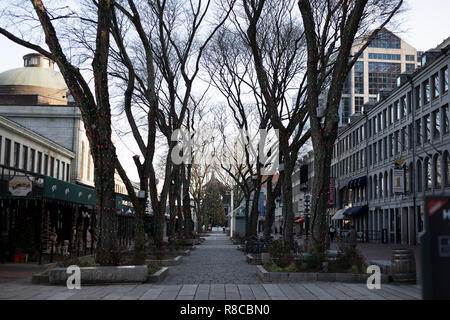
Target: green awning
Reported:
point(65, 191)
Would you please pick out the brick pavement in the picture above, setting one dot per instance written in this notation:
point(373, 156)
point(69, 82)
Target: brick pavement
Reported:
point(215, 261)
point(216, 270)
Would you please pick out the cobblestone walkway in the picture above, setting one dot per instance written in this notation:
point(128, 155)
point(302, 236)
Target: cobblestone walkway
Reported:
point(215, 261)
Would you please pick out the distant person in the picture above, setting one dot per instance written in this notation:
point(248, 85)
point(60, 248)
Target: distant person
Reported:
point(331, 232)
point(352, 236)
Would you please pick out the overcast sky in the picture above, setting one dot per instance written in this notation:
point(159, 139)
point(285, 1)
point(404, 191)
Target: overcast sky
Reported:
point(425, 25)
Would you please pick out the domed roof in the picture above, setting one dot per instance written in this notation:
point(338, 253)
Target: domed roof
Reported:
point(33, 76)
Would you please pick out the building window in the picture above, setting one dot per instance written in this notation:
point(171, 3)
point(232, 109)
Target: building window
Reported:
point(46, 165)
point(391, 115)
point(359, 102)
point(410, 67)
point(436, 124)
point(7, 159)
point(418, 132)
point(384, 56)
point(376, 187)
point(410, 136)
point(25, 158)
point(437, 172)
point(52, 167)
point(32, 158)
point(380, 154)
point(403, 111)
point(427, 169)
point(444, 80)
point(382, 75)
point(359, 77)
point(57, 169)
point(435, 85)
point(418, 98)
point(426, 91)
point(409, 102)
point(39, 163)
point(396, 143)
point(410, 57)
point(390, 147)
point(16, 154)
point(445, 124)
point(446, 165)
point(67, 172)
point(403, 139)
point(419, 176)
point(427, 127)
point(385, 148)
point(345, 110)
point(385, 39)
point(63, 171)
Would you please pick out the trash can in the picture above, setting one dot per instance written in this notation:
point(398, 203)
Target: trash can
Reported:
point(403, 266)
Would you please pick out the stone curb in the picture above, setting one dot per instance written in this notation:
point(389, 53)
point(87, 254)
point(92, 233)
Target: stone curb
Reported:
point(159, 275)
point(40, 278)
point(264, 275)
point(103, 275)
point(167, 262)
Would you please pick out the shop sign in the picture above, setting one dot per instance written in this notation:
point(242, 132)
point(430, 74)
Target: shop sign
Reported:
point(20, 186)
point(399, 186)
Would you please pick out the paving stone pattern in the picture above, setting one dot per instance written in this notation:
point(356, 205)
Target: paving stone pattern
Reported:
point(216, 270)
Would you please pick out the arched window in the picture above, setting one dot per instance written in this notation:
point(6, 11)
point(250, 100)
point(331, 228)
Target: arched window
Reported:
point(370, 188)
point(419, 176)
point(427, 169)
point(446, 165)
point(437, 176)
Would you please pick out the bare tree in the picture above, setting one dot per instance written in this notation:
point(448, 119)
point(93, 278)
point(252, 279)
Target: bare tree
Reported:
point(330, 29)
point(273, 42)
point(161, 57)
point(94, 107)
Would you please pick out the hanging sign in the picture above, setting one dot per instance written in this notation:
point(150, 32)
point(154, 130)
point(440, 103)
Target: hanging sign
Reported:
point(20, 186)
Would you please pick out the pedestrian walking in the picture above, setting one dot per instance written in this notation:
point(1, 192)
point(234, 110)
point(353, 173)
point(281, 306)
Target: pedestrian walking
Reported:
point(331, 231)
point(351, 237)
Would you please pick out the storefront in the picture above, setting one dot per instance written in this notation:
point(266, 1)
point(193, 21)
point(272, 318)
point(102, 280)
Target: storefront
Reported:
point(45, 219)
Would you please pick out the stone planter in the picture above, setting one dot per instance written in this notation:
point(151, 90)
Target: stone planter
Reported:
point(253, 259)
point(103, 275)
point(159, 275)
point(267, 276)
point(40, 278)
point(166, 262)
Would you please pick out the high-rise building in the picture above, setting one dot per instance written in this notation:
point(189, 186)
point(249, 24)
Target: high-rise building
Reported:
point(377, 68)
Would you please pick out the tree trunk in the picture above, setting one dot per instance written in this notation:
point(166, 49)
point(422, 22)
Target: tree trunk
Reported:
point(288, 213)
point(320, 189)
point(253, 223)
point(269, 214)
point(188, 223)
point(107, 249)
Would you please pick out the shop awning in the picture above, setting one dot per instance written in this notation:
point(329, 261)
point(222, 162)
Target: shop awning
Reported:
point(339, 215)
point(358, 182)
point(300, 220)
point(355, 210)
point(65, 191)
